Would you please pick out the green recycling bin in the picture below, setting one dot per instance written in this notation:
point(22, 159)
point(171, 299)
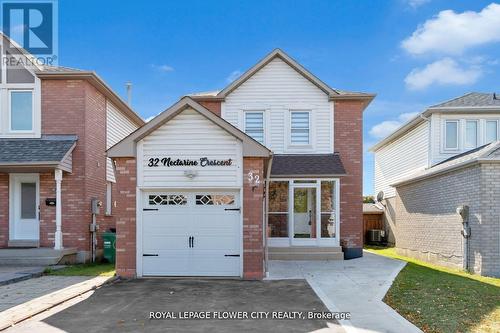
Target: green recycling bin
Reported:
point(109, 240)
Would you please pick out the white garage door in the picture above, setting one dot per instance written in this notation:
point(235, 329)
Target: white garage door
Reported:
point(195, 233)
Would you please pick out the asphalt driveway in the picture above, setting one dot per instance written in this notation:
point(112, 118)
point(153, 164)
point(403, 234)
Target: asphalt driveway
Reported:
point(125, 307)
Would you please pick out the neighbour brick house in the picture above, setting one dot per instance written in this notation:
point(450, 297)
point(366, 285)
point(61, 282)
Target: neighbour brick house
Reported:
point(61, 123)
point(268, 168)
point(445, 158)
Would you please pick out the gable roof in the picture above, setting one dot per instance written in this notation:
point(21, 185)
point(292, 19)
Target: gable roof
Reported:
point(127, 146)
point(61, 72)
point(487, 153)
point(278, 53)
point(472, 99)
point(470, 102)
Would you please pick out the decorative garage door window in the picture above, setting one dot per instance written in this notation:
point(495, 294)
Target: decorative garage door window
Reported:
point(214, 199)
point(167, 199)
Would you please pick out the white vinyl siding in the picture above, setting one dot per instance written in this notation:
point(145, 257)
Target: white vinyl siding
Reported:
point(118, 126)
point(278, 89)
point(190, 135)
point(299, 128)
point(254, 125)
point(400, 158)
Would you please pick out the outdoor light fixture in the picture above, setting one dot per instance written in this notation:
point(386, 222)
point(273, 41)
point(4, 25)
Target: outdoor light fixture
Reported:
point(190, 173)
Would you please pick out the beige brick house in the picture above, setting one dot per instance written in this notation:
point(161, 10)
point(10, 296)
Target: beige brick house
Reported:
point(445, 158)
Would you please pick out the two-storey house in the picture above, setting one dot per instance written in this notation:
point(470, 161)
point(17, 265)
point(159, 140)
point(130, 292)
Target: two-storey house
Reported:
point(269, 167)
point(444, 158)
point(55, 126)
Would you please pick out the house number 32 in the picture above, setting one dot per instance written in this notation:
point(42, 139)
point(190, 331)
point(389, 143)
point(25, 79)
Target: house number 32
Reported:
point(253, 178)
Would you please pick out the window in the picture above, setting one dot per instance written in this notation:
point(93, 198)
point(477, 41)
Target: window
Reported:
point(451, 134)
point(278, 209)
point(21, 110)
point(167, 200)
point(491, 131)
point(471, 134)
point(28, 200)
point(299, 128)
point(214, 199)
point(109, 202)
point(328, 209)
point(254, 125)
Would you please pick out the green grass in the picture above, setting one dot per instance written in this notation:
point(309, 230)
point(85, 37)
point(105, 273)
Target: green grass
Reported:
point(97, 269)
point(439, 299)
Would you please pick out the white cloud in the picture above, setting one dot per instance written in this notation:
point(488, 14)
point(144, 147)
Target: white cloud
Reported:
point(443, 72)
point(417, 3)
point(453, 33)
point(163, 68)
point(385, 128)
point(233, 76)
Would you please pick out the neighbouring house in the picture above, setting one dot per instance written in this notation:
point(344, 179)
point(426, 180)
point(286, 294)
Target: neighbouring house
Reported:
point(446, 157)
point(373, 219)
point(270, 167)
point(55, 126)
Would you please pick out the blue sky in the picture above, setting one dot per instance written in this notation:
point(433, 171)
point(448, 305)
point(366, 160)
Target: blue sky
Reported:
point(411, 53)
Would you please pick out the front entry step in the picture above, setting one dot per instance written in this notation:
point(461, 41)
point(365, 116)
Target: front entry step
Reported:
point(305, 253)
point(23, 243)
point(37, 256)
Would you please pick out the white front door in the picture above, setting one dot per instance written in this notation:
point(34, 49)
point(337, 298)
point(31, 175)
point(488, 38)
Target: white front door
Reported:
point(195, 233)
point(24, 207)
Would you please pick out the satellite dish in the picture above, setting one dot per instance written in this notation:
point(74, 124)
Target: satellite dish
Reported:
point(380, 196)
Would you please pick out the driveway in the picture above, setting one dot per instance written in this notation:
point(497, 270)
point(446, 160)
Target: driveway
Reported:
point(356, 286)
point(125, 307)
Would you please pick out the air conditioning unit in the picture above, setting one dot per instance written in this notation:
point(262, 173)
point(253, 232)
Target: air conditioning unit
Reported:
point(375, 236)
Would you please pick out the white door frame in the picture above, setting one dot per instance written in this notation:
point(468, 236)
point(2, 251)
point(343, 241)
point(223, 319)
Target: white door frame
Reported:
point(318, 241)
point(14, 181)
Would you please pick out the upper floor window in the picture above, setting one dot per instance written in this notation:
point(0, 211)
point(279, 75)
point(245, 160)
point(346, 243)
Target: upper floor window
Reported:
point(300, 127)
point(451, 134)
point(254, 125)
point(21, 110)
point(471, 134)
point(491, 131)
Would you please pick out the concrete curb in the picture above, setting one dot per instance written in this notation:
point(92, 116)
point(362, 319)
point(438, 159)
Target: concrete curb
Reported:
point(31, 308)
point(26, 274)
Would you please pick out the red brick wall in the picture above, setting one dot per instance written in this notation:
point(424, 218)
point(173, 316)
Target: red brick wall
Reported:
point(253, 205)
point(125, 212)
point(75, 107)
point(213, 106)
point(4, 209)
point(348, 141)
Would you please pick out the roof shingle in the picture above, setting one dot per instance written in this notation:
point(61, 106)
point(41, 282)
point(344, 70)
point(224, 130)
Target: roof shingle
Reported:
point(307, 165)
point(48, 148)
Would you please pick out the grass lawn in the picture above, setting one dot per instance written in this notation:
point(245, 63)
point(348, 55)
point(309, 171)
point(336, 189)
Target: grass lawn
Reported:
point(439, 299)
point(97, 269)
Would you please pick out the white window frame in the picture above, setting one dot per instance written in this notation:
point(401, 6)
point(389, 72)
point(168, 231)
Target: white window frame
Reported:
point(318, 241)
point(264, 136)
point(33, 125)
point(486, 129)
point(290, 129)
point(477, 133)
point(457, 121)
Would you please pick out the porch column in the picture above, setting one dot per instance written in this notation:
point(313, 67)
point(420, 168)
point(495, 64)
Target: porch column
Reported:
point(58, 245)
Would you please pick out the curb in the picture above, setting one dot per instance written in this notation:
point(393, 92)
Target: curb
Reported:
point(21, 312)
point(27, 274)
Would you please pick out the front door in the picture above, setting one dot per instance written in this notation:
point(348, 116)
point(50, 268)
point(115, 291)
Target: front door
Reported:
point(24, 207)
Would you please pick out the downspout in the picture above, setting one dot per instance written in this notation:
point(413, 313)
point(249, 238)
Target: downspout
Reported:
point(463, 211)
point(265, 215)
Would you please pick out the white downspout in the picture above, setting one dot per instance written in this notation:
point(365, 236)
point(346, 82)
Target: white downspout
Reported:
point(58, 240)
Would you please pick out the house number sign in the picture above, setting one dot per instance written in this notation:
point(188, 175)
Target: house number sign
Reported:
point(203, 162)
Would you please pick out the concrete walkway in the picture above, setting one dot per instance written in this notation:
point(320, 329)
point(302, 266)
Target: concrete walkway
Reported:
point(356, 286)
point(11, 274)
